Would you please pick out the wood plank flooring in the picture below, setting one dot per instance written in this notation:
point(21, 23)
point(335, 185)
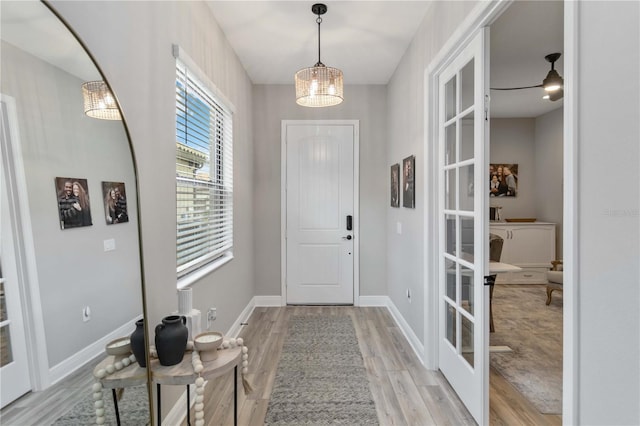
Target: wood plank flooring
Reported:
point(404, 391)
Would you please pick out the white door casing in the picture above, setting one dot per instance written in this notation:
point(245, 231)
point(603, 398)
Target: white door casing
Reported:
point(14, 366)
point(319, 193)
point(463, 259)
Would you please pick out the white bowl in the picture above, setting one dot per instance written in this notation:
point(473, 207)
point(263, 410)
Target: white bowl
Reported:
point(121, 346)
point(207, 344)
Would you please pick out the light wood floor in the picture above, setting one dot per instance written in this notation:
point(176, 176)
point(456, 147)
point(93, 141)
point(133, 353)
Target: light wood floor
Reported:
point(405, 392)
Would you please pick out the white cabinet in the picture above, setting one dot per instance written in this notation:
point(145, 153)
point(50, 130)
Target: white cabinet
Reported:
point(531, 246)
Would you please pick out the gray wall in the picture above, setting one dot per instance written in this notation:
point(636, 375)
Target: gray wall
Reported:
point(405, 133)
point(513, 142)
point(274, 103)
point(73, 271)
point(548, 170)
point(608, 281)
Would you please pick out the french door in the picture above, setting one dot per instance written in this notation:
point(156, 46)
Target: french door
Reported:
point(14, 367)
point(463, 347)
point(320, 225)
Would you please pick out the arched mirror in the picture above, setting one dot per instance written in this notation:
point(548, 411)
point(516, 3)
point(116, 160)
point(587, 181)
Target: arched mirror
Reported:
point(71, 276)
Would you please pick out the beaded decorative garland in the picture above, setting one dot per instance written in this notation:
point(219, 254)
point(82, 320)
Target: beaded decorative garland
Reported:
point(97, 387)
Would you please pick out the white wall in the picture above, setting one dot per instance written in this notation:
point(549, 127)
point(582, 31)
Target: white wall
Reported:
point(608, 281)
point(513, 142)
point(548, 170)
point(368, 104)
point(73, 271)
point(405, 133)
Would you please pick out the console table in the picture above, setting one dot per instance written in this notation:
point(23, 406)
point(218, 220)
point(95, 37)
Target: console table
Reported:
point(183, 374)
point(131, 375)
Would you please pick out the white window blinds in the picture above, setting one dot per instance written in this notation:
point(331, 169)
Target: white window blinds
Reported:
point(204, 173)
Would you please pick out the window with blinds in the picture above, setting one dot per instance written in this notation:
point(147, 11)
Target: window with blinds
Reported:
point(204, 174)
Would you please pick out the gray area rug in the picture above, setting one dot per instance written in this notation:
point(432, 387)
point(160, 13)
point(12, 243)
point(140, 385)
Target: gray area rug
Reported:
point(133, 408)
point(321, 377)
point(534, 331)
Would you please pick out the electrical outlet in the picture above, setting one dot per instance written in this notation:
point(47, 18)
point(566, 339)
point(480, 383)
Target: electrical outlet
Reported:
point(86, 314)
point(212, 314)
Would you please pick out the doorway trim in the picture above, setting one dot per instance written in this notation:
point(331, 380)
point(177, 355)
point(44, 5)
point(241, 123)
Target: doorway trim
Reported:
point(356, 203)
point(484, 15)
point(39, 374)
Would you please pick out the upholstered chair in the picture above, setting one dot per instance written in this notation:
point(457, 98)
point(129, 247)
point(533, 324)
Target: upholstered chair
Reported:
point(554, 276)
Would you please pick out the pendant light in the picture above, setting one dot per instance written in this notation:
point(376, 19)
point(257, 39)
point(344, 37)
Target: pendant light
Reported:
point(99, 102)
point(319, 85)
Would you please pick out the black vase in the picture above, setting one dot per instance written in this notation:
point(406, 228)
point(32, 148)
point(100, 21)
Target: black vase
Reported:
point(171, 339)
point(137, 343)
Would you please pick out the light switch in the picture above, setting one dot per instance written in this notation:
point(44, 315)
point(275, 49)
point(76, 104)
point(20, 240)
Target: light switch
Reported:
point(109, 245)
point(399, 227)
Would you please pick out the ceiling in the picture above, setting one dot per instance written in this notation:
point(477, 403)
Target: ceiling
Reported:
point(366, 39)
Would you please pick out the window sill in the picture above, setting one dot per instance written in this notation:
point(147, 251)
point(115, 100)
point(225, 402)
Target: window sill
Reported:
point(195, 276)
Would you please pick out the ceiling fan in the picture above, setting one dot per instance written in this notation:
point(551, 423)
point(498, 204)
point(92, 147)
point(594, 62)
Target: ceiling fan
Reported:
point(553, 84)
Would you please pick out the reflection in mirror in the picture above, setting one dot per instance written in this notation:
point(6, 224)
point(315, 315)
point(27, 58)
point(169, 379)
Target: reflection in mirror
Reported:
point(71, 279)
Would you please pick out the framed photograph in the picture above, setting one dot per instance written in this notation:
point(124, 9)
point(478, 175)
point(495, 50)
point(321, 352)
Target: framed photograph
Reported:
point(408, 182)
point(503, 180)
point(74, 208)
point(395, 185)
point(115, 202)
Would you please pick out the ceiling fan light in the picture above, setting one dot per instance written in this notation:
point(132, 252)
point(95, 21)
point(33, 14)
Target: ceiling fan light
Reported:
point(554, 96)
point(553, 81)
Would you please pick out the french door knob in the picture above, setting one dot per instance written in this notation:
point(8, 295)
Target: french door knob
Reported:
point(348, 237)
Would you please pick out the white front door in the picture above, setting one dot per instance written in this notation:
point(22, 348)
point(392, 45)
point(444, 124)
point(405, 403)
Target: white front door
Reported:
point(320, 224)
point(463, 198)
point(14, 367)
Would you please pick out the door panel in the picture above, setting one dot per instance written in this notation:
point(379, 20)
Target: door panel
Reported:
point(463, 344)
point(319, 197)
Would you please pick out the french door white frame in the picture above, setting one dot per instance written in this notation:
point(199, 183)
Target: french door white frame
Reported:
point(25, 256)
point(356, 202)
point(484, 15)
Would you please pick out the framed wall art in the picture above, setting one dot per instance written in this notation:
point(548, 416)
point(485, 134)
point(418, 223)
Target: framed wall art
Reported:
point(74, 208)
point(115, 202)
point(503, 180)
point(395, 185)
point(408, 182)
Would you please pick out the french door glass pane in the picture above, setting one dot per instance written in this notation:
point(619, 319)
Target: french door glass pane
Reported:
point(450, 144)
point(450, 243)
point(6, 355)
point(466, 188)
point(450, 189)
point(450, 268)
point(466, 288)
point(466, 137)
point(466, 238)
point(467, 340)
point(451, 324)
point(450, 98)
point(466, 83)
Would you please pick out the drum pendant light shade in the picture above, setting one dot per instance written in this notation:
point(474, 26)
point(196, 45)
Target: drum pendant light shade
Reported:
point(99, 102)
point(319, 85)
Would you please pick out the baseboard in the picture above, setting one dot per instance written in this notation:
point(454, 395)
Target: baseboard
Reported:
point(242, 318)
point(268, 301)
point(411, 337)
point(373, 301)
point(77, 360)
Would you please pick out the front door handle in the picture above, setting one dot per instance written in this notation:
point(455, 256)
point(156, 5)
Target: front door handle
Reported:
point(348, 237)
